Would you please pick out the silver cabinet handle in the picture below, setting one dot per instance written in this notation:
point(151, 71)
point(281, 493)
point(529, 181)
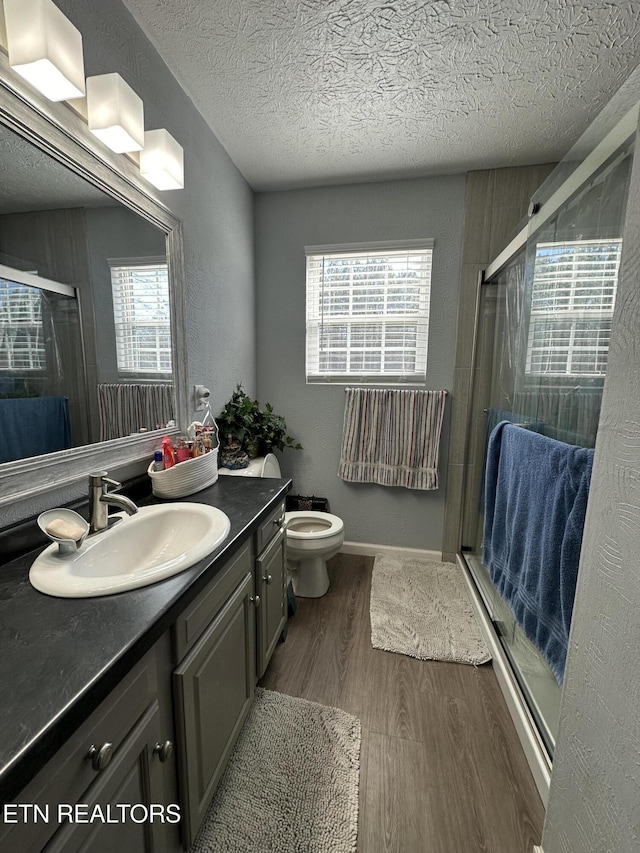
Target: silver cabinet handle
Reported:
point(267, 579)
point(164, 751)
point(255, 599)
point(100, 756)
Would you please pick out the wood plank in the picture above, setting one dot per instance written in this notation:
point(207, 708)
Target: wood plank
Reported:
point(396, 812)
point(441, 767)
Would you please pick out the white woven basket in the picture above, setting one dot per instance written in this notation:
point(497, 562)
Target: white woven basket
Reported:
point(185, 478)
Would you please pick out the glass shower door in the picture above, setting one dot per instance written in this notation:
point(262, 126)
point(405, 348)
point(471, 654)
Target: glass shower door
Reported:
point(542, 341)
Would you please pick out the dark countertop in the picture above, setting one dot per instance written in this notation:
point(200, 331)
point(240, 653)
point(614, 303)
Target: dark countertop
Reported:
point(62, 656)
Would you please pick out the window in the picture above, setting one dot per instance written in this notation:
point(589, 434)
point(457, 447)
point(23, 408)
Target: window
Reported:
point(22, 338)
point(368, 312)
point(573, 295)
point(142, 316)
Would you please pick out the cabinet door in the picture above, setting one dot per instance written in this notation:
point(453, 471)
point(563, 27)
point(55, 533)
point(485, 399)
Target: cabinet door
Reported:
point(214, 688)
point(68, 775)
point(271, 582)
point(133, 776)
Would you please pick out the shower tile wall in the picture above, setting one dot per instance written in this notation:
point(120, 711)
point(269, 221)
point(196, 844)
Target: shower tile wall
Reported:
point(496, 202)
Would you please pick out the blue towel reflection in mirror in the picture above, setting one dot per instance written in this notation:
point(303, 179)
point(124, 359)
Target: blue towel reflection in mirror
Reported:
point(31, 426)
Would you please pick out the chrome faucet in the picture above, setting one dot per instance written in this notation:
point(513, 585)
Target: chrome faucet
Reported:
point(100, 498)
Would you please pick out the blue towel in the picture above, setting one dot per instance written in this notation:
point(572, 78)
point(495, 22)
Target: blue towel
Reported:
point(536, 499)
point(494, 416)
point(30, 426)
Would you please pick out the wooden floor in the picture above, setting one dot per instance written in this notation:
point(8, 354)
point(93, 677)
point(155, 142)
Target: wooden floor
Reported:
point(441, 768)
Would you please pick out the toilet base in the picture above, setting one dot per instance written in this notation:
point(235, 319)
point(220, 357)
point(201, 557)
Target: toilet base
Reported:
point(309, 577)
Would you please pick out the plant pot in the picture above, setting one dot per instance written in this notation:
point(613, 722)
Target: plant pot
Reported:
point(254, 448)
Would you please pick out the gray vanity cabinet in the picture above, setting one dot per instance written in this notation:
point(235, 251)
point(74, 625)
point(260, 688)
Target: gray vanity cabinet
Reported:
point(115, 756)
point(271, 587)
point(193, 688)
point(134, 776)
point(214, 687)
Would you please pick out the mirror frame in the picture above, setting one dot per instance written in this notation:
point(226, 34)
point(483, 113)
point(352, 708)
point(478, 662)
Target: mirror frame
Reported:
point(60, 131)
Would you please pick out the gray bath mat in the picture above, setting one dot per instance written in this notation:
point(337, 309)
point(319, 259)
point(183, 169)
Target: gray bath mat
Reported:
point(291, 785)
point(423, 609)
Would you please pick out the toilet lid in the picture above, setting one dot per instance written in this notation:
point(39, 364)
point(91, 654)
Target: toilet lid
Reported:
point(270, 466)
point(262, 466)
point(303, 524)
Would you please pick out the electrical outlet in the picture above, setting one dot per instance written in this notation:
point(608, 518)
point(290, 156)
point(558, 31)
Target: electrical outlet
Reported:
point(537, 849)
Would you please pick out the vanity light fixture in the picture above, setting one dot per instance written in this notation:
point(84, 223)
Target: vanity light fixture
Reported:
point(45, 48)
point(162, 160)
point(115, 113)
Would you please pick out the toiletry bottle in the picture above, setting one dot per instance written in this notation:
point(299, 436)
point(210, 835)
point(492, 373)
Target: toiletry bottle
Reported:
point(167, 452)
point(182, 451)
point(158, 463)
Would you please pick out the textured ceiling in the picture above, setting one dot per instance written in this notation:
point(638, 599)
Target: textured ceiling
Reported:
point(305, 92)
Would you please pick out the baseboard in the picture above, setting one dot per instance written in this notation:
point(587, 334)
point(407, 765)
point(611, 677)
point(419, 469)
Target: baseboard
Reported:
point(367, 549)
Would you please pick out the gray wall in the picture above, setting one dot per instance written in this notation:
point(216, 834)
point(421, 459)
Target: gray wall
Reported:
point(285, 223)
point(594, 802)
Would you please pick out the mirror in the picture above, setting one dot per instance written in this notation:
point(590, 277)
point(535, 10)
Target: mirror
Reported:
point(91, 302)
point(85, 339)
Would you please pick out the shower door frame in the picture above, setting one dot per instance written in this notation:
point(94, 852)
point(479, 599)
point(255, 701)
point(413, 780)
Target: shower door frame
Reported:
point(533, 743)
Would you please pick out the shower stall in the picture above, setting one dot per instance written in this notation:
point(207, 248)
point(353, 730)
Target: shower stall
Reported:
point(543, 323)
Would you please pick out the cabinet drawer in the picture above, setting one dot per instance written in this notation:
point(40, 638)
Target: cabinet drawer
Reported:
point(191, 623)
point(69, 773)
point(269, 528)
point(133, 777)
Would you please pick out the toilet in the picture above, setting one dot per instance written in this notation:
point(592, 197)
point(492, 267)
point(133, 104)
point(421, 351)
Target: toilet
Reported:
point(312, 537)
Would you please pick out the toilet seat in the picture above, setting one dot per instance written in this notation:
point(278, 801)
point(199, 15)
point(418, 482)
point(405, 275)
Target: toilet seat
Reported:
point(305, 525)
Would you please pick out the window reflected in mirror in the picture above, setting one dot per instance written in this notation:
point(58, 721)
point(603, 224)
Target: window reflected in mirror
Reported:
point(21, 330)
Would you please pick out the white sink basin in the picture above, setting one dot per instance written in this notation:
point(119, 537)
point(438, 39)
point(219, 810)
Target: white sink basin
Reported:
point(155, 543)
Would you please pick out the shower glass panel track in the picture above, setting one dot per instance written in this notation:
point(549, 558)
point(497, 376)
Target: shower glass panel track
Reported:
point(541, 345)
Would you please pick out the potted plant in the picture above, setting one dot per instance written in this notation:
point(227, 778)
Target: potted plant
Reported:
point(255, 431)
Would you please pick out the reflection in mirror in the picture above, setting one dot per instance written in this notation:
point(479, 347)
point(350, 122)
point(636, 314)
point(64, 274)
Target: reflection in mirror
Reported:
point(85, 341)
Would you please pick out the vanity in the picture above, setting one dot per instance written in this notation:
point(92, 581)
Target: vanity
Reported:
point(119, 713)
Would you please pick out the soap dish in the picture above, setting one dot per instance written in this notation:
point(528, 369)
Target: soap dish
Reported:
point(67, 544)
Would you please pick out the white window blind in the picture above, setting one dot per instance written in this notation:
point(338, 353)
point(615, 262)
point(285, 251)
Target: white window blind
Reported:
point(572, 301)
point(368, 312)
point(21, 327)
point(142, 316)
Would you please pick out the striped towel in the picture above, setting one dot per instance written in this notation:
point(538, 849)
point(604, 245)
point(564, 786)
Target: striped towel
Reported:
point(392, 437)
point(125, 409)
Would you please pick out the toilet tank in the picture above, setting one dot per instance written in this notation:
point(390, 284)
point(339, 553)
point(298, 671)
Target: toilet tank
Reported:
point(263, 466)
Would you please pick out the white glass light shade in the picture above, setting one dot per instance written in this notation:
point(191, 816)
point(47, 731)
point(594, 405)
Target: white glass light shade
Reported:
point(115, 113)
point(45, 48)
point(162, 160)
